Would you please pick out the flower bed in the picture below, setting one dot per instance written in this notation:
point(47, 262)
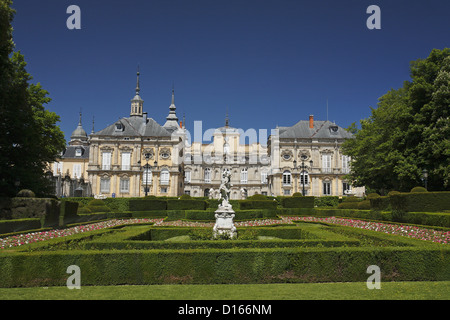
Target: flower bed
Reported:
point(395, 229)
point(19, 240)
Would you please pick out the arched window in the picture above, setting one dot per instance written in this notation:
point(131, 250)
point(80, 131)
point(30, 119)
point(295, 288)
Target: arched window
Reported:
point(207, 175)
point(165, 177)
point(287, 178)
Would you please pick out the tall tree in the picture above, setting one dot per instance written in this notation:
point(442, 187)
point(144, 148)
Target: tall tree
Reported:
point(407, 133)
point(30, 137)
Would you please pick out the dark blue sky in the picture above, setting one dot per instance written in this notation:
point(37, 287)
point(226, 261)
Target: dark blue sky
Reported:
point(268, 62)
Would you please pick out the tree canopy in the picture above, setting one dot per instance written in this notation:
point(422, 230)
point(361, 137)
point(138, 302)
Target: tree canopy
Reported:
point(30, 137)
point(407, 133)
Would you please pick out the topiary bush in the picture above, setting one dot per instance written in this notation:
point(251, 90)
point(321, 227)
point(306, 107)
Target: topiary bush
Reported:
point(297, 194)
point(419, 189)
point(26, 193)
point(97, 205)
point(373, 195)
point(364, 205)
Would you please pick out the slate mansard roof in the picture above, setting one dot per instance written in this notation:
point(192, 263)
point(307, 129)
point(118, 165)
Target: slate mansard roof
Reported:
point(320, 130)
point(135, 126)
point(71, 152)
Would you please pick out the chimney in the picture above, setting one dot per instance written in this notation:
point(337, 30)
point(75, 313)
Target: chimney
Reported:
point(311, 122)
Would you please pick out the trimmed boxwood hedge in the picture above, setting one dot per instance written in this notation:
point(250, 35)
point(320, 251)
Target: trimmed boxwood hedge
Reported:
point(186, 204)
point(421, 201)
point(214, 266)
point(147, 205)
point(298, 202)
point(239, 214)
point(380, 203)
point(257, 204)
point(18, 225)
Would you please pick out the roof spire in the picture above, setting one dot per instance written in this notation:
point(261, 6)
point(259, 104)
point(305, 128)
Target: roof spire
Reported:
point(138, 89)
point(172, 120)
point(137, 102)
point(227, 120)
point(93, 123)
point(173, 95)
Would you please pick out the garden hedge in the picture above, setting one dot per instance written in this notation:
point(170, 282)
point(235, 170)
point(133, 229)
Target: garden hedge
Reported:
point(18, 225)
point(257, 204)
point(421, 201)
point(380, 203)
point(186, 204)
point(68, 213)
point(147, 204)
point(213, 266)
point(239, 214)
point(298, 202)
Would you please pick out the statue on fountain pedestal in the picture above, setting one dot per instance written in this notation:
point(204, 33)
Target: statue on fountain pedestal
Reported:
point(225, 188)
point(225, 213)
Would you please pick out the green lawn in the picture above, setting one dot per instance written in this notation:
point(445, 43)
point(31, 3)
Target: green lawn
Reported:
point(302, 291)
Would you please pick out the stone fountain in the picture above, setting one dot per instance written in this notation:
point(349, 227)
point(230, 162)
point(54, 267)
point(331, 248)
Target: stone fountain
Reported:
point(225, 213)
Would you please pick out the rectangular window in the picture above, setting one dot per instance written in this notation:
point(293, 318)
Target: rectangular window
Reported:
point(126, 160)
point(345, 164)
point(346, 187)
point(304, 178)
point(207, 175)
point(327, 188)
point(187, 176)
point(165, 177)
point(264, 177)
point(124, 185)
point(287, 192)
point(76, 174)
point(287, 178)
point(264, 193)
point(188, 192)
point(104, 185)
point(244, 176)
point(163, 190)
point(147, 179)
point(57, 168)
point(106, 161)
point(326, 163)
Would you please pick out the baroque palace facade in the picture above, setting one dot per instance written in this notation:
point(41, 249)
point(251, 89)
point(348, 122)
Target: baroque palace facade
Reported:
point(136, 156)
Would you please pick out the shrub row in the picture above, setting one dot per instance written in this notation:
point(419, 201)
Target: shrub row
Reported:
point(211, 266)
point(257, 204)
point(239, 214)
point(18, 225)
point(298, 202)
point(421, 201)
